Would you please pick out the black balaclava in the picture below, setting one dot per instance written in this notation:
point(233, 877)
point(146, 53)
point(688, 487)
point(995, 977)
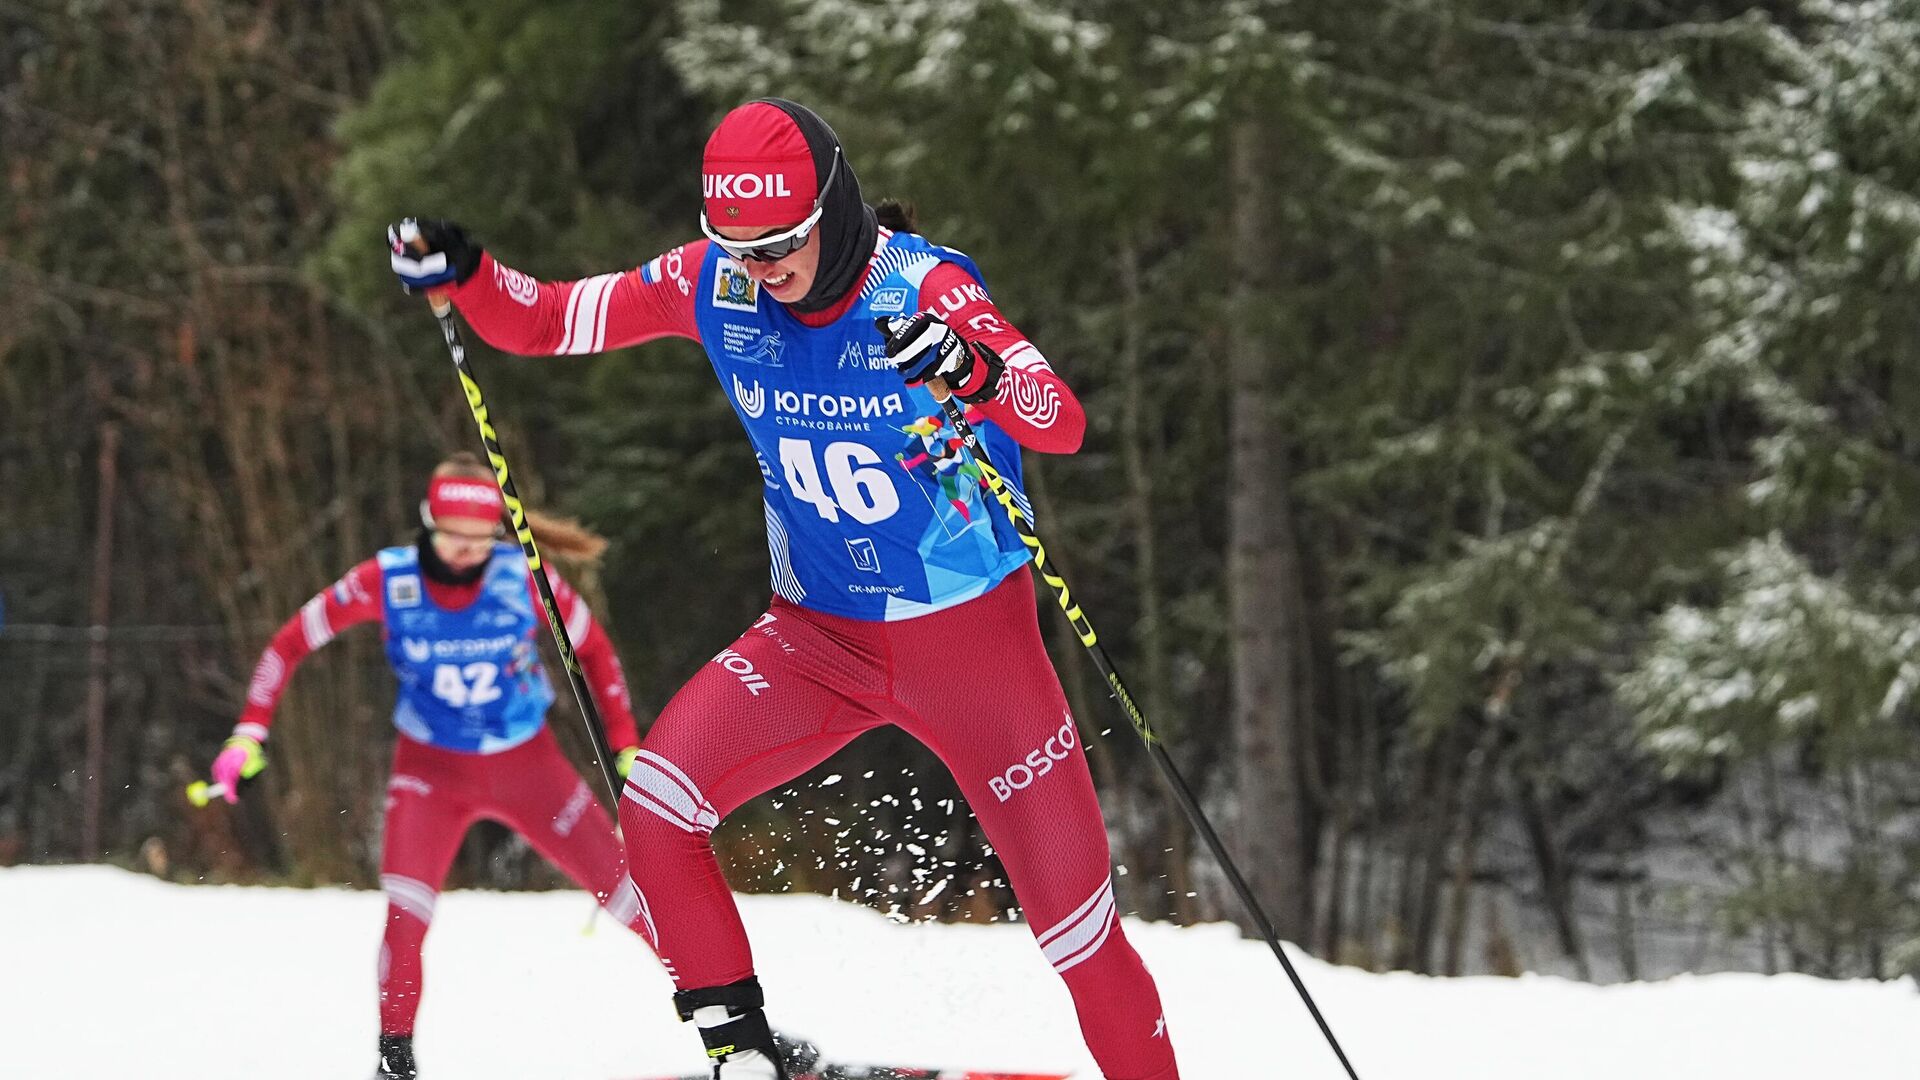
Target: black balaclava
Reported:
point(436, 568)
point(847, 229)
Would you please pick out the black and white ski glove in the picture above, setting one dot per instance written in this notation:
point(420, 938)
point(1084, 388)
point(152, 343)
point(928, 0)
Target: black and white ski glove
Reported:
point(429, 252)
point(924, 347)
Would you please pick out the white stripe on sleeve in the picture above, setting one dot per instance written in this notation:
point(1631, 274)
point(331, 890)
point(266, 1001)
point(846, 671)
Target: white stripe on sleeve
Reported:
point(587, 314)
point(313, 622)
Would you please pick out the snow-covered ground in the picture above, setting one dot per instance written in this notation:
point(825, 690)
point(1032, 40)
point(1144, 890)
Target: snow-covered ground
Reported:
point(108, 975)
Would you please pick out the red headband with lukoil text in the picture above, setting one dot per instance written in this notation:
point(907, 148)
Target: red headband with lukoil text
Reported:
point(757, 170)
point(463, 497)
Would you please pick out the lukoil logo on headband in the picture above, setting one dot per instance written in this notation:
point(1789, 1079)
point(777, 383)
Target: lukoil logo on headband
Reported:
point(481, 494)
point(745, 185)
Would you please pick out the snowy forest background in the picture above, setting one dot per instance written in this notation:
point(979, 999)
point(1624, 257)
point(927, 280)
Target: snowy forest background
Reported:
point(1502, 487)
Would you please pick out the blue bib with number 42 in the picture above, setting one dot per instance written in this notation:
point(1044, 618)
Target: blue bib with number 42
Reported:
point(471, 679)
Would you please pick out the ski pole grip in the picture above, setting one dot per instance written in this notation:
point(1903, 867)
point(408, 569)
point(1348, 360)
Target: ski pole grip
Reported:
point(436, 298)
point(200, 793)
point(936, 385)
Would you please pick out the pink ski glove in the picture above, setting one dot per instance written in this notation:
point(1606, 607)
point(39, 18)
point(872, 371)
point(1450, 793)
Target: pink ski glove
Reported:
point(240, 759)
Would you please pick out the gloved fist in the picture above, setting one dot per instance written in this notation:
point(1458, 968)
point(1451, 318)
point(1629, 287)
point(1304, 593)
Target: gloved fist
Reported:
point(240, 759)
point(923, 347)
point(623, 761)
point(429, 252)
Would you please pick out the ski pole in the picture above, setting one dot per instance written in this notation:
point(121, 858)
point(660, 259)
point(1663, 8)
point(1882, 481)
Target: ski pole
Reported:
point(589, 713)
point(1083, 629)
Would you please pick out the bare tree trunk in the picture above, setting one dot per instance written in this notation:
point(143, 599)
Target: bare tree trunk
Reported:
point(1423, 898)
point(1373, 796)
point(1623, 922)
point(1344, 846)
point(1151, 632)
point(1554, 879)
point(1756, 864)
point(99, 615)
point(1870, 844)
point(1482, 763)
point(1778, 823)
point(1140, 487)
point(1262, 573)
point(1338, 848)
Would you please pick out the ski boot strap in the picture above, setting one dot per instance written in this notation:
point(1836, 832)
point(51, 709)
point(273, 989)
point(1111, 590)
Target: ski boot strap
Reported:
point(738, 997)
point(730, 1018)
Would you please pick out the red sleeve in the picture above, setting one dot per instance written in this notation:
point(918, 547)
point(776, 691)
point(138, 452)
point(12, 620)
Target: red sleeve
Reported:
point(514, 312)
point(1034, 405)
point(352, 600)
point(605, 678)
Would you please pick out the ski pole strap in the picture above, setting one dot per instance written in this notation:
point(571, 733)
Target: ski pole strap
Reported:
point(255, 759)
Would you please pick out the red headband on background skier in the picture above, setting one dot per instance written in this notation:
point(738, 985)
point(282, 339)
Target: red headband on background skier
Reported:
point(451, 497)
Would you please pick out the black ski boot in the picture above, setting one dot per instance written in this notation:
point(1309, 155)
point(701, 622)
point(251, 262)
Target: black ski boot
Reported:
point(396, 1059)
point(739, 1042)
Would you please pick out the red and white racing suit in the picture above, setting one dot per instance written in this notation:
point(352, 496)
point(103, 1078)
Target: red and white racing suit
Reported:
point(434, 794)
point(802, 683)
